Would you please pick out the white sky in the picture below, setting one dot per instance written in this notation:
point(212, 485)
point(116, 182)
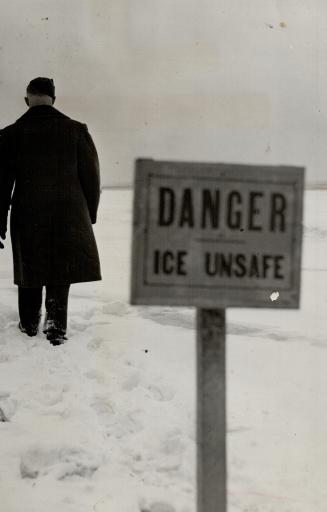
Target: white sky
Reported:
point(216, 80)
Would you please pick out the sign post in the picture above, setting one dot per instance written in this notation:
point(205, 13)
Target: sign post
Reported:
point(211, 411)
point(215, 236)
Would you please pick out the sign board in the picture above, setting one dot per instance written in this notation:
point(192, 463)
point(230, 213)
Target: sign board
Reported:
point(217, 235)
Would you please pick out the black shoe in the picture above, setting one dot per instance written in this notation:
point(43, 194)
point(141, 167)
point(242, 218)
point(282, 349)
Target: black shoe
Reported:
point(30, 332)
point(56, 340)
point(56, 343)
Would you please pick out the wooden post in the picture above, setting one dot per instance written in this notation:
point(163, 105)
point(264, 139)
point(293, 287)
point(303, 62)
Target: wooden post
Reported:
point(211, 411)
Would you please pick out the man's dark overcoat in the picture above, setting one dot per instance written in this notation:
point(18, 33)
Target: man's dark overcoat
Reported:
point(51, 162)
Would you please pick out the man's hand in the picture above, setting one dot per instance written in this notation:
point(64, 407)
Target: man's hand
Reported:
point(3, 236)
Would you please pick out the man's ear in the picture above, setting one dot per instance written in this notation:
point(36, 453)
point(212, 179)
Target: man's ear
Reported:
point(27, 101)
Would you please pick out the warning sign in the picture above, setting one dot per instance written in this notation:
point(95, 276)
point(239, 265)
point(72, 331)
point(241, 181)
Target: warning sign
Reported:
point(217, 235)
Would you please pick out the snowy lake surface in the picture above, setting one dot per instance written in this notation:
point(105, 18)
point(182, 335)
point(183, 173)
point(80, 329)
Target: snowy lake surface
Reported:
point(106, 422)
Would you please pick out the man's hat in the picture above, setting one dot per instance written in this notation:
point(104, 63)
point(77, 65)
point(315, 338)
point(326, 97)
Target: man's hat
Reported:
point(41, 86)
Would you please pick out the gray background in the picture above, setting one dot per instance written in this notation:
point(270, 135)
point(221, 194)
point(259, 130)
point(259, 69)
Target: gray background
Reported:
point(216, 80)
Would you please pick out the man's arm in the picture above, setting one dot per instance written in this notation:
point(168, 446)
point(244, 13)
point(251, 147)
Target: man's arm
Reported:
point(7, 180)
point(89, 172)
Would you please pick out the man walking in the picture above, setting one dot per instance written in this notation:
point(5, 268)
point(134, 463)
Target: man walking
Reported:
point(49, 174)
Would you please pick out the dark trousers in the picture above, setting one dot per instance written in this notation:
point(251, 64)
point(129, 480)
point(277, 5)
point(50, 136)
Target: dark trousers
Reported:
point(56, 302)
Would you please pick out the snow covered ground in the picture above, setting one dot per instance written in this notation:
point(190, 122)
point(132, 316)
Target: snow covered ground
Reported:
point(106, 422)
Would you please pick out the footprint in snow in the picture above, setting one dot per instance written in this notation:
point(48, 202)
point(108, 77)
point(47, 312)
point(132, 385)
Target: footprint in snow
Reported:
point(95, 343)
point(119, 424)
point(169, 316)
point(161, 393)
point(127, 424)
point(87, 315)
point(49, 394)
point(173, 444)
point(60, 462)
point(116, 309)
point(8, 408)
point(95, 375)
point(3, 417)
point(103, 408)
point(78, 326)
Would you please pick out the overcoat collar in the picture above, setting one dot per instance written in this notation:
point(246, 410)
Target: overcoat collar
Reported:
point(41, 111)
